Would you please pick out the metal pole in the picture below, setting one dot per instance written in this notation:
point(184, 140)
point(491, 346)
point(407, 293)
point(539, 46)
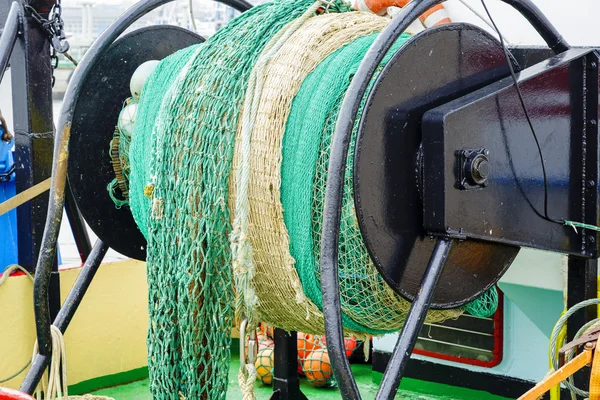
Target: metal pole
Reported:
point(66, 313)
point(414, 321)
point(33, 128)
point(31, 67)
point(286, 385)
point(78, 228)
point(9, 35)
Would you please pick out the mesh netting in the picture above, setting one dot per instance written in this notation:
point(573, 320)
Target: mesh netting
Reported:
point(275, 276)
point(181, 183)
point(317, 368)
point(368, 303)
point(156, 88)
point(181, 159)
point(485, 305)
point(264, 365)
point(313, 359)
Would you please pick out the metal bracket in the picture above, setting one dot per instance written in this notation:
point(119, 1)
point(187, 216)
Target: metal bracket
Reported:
point(473, 169)
point(522, 201)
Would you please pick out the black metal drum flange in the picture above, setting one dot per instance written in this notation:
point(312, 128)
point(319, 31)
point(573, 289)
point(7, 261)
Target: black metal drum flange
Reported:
point(434, 67)
point(94, 120)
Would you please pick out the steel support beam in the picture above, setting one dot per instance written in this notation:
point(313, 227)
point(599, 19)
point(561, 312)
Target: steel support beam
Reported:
point(286, 385)
point(31, 74)
point(582, 284)
point(66, 313)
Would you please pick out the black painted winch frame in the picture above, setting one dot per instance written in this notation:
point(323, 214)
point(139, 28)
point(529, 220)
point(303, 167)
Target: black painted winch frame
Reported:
point(448, 181)
point(469, 151)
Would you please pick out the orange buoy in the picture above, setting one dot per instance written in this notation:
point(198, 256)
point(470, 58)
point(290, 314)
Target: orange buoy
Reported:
point(265, 343)
point(350, 344)
point(317, 368)
point(264, 366)
point(306, 344)
point(436, 15)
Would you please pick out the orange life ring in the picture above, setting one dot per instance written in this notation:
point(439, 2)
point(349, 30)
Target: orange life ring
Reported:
point(436, 15)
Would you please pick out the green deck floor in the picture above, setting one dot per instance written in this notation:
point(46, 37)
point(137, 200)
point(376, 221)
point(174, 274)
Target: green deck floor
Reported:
point(411, 389)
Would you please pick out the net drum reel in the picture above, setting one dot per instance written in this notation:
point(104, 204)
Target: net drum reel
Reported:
point(92, 111)
point(448, 182)
point(94, 119)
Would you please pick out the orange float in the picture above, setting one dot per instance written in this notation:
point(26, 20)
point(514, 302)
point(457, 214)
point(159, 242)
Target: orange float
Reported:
point(350, 344)
point(306, 344)
point(317, 368)
point(264, 366)
point(436, 15)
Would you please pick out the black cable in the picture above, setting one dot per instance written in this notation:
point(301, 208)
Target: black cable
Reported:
point(520, 95)
point(4, 380)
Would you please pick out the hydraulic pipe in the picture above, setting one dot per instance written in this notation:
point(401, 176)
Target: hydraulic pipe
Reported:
point(67, 311)
point(414, 321)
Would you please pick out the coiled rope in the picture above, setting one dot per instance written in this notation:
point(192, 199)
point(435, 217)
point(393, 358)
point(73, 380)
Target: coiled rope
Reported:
point(53, 384)
point(554, 342)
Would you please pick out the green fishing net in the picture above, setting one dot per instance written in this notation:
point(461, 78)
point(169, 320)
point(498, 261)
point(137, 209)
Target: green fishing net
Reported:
point(180, 156)
point(368, 303)
point(485, 305)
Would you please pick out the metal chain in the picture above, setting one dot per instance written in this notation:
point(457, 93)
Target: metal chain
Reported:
point(54, 27)
point(6, 176)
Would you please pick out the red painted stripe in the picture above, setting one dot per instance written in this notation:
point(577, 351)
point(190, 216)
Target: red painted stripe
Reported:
point(433, 9)
point(497, 351)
